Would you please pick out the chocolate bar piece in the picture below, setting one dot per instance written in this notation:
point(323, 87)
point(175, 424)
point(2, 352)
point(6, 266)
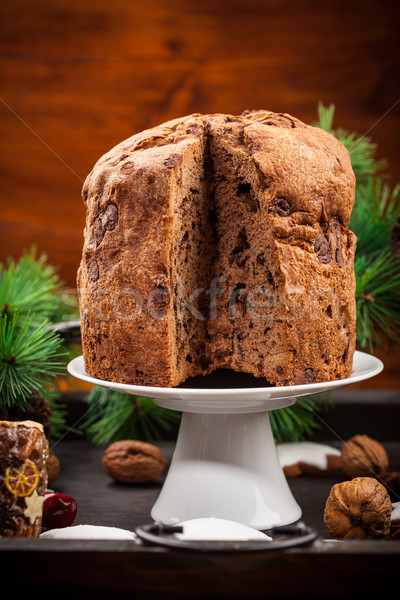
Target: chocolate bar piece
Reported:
point(24, 450)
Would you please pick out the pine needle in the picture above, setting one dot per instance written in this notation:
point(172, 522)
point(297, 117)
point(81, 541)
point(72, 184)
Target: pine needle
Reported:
point(31, 285)
point(294, 423)
point(361, 149)
point(114, 415)
point(376, 211)
point(377, 298)
point(30, 358)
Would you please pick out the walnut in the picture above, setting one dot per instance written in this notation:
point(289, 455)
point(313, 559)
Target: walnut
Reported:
point(362, 456)
point(53, 467)
point(358, 509)
point(133, 461)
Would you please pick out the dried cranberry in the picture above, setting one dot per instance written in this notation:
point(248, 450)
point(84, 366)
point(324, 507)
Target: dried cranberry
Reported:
point(59, 511)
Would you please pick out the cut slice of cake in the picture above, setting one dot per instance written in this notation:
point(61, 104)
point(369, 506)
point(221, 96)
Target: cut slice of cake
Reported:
point(220, 241)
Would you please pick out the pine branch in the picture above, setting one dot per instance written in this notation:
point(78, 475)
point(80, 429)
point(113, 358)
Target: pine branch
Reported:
point(32, 295)
point(295, 423)
point(32, 286)
point(375, 213)
point(377, 298)
point(114, 415)
point(30, 358)
point(361, 149)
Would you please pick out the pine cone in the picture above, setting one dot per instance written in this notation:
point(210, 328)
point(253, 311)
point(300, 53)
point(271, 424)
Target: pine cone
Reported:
point(37, 409)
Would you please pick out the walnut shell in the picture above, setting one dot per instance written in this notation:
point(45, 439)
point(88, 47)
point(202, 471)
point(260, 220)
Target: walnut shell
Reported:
point(53, 467)
point(133, 461)
point(358, 509)
point(362, 456)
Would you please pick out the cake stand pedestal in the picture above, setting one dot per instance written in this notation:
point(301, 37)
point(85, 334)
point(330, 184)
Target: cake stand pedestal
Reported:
point(225, 463)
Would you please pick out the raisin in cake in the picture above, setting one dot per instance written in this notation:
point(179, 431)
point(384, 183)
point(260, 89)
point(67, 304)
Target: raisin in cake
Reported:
point(220, 242)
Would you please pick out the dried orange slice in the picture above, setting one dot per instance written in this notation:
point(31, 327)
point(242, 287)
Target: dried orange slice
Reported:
point(23, 482)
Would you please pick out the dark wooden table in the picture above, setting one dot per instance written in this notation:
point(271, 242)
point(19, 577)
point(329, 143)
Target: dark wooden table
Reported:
point(323, 568)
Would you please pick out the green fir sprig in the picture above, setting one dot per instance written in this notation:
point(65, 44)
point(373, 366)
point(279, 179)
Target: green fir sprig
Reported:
point(376, 211)
point(32, 285)
point(361, 148)
point(296, 422)
point(114, 415)
point(30, 359)
point(377, 299)
point(32, 356)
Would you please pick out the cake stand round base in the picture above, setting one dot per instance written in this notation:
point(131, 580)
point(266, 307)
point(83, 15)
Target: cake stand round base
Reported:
point(225, 464)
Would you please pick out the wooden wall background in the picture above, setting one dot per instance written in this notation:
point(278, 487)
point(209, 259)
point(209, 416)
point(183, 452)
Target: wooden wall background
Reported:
point(77, 77)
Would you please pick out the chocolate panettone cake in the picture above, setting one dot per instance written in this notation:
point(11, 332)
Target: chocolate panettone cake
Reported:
point(220, 241)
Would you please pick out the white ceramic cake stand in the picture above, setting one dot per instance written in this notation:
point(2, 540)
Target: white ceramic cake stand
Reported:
point(225, 463)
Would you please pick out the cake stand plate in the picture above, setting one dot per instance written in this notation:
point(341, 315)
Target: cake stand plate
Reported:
point(225, 463)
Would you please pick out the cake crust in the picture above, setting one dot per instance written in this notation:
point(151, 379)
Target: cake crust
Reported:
point(220, 241)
